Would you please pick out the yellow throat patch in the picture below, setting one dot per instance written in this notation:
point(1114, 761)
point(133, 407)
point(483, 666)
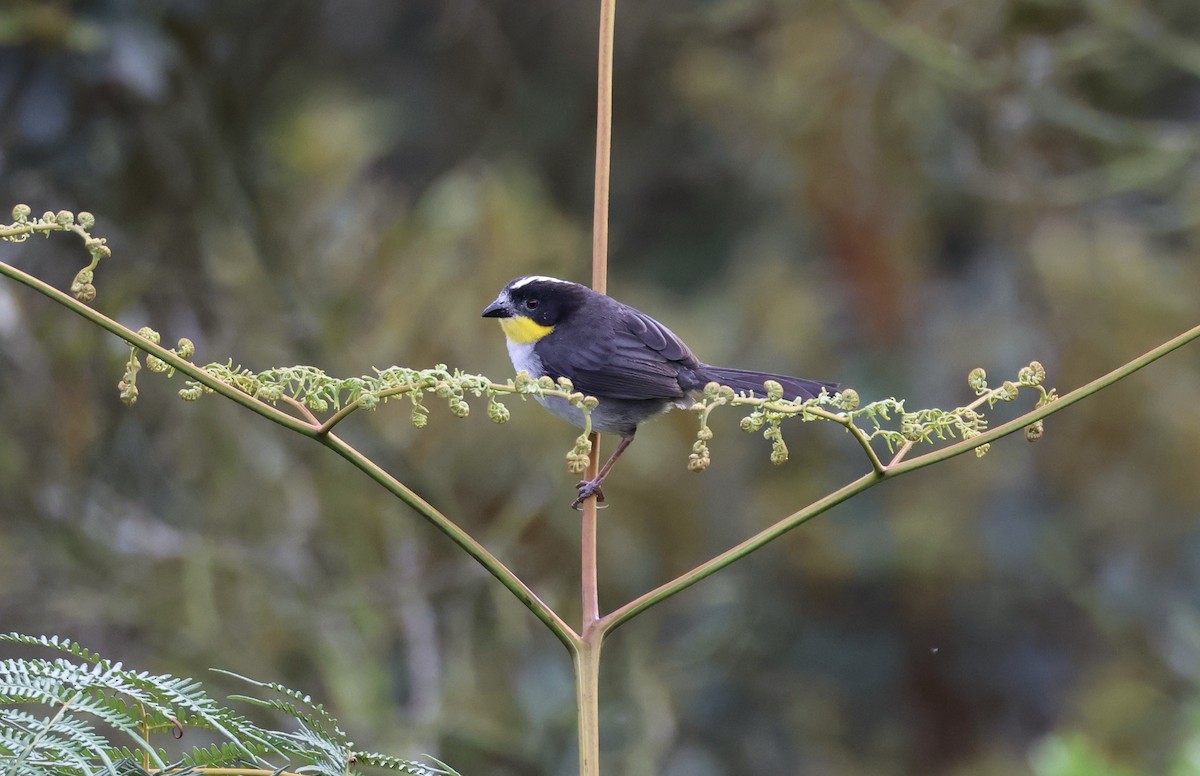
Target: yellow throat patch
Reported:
point(523, 330)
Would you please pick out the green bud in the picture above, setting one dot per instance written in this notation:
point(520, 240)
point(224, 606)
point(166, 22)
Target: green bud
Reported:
point(1008, 391)
point(1034, 431)
point(497, 412)
point(128, 391)
point(565, 384)
point(82, 286)
point(545, 383)
point(84, 292)
point(977, 380)
point(97, 248)
point(779, 452)
point(847, 399)
point(316, 403)
point(368, 401)
point(752, 422)
point(64, 218)
point(419, 417)
point(443, 390)
point(157, 365)
point(705, 433)
point(149, 334)
point(460, 408)
point(191, 393)
point(981, 451)
point(577, 463)
point(271, 393)
point(86, 219)
point(774, 390)
point(712, 390)
point(21, 213)
point(590, 402)
point(1033, 374)
point(48, 217)
point(186, 348)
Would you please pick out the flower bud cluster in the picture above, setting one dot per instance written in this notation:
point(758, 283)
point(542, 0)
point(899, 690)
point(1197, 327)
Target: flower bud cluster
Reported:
point(779, 450)
point(699, 459)
point(580, 455)
point(82, 287)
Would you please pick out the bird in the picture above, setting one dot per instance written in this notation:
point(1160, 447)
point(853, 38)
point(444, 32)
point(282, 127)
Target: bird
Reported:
point(635, 366)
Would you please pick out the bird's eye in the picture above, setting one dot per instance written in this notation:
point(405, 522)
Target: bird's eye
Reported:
point(531, 304)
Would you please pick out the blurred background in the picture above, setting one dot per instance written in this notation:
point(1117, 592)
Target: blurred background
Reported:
point(886, 193)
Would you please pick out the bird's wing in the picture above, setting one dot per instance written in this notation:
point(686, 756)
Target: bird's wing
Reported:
point(637, 359)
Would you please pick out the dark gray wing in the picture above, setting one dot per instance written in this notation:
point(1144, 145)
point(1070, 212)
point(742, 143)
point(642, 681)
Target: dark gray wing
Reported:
point(629, 356)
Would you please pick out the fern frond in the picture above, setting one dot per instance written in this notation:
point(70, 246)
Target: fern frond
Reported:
point(51, 642)
point(138, 705)
point(407, 767)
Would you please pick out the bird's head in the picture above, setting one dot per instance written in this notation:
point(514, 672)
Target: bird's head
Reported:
point(530, 307)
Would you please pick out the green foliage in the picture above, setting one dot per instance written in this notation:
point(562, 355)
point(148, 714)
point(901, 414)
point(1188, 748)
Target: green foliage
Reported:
point(24, 225)
point(139, 707)
point(1072, 756)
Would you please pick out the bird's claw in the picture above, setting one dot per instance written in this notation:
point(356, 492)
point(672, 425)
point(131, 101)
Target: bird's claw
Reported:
point(586, 489)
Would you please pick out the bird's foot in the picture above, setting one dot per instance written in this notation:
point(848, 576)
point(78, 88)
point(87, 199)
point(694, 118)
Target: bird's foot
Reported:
point(586, 489)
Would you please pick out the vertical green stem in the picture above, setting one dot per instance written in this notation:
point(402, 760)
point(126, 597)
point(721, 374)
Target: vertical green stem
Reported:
point(587, 654)
point(604, 81)
point(587, 700)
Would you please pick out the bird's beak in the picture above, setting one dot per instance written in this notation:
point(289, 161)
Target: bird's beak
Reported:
point(498, 309)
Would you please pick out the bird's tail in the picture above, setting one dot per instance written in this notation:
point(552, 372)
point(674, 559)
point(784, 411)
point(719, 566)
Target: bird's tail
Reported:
point(749, 380)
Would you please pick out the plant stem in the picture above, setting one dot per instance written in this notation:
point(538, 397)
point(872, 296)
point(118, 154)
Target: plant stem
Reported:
point(586, 661)
point(604, 87)
point(588, 571)
point(586, 656)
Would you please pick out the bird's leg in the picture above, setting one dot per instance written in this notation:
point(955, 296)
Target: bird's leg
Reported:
point(588, 488)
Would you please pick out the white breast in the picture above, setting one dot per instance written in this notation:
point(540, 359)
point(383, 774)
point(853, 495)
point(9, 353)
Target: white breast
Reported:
point(523, 357)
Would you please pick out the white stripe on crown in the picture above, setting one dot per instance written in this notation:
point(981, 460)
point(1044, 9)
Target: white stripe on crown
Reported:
point(535, 278)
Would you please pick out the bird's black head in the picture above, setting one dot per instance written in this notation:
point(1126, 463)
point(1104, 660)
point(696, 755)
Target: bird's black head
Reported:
point(530, 307)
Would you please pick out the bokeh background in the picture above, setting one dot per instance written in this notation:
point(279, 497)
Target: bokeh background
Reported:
point(882, 192)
